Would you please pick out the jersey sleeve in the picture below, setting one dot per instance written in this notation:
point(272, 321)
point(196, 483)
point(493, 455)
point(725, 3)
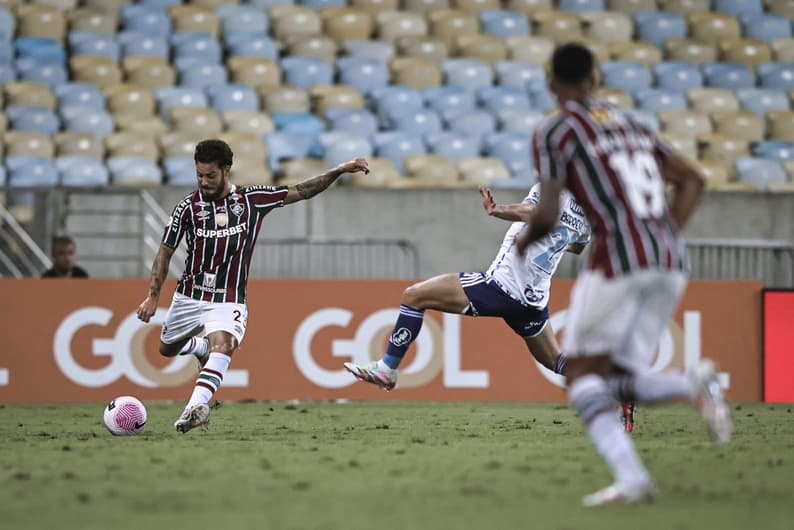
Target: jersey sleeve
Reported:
point(547, 150)
point(177, 224)
point(266, 197)
point(534, 195)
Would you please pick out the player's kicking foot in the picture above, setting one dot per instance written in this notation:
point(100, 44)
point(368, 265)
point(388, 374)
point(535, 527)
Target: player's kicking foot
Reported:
point(627, 413)
point(619, 493)
point(376, 373)
point(711, 401)
point(193, 417)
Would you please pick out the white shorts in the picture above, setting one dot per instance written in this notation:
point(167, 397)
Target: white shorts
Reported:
point(187, 316)
point(624, 316)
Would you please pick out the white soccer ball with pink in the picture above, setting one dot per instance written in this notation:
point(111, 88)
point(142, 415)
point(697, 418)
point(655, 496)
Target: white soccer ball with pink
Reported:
point(125, 416)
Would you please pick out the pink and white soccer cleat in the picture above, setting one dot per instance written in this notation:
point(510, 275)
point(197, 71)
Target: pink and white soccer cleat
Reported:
point(620, 493)
point(376, 373)
point(192, 417)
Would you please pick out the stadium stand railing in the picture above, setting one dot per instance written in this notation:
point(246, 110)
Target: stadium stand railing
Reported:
point(20, 256)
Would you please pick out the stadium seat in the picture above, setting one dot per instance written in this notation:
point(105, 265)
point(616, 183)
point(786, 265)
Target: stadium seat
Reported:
point(318, 46)
point(89, 43)
point(254, 71)
point(248, 121)
point(739, 8)
point(767, 27)
point(540, 96)
point(251, 45)
point(783, 50)
point(78, 144)
point(133, 171)
point(307, 124)
point(382, 174)
point(417, 123)
point(715, 175)
point(475, 123)
point(558, 26)
point(345, 23)
point(712, 27)
point(199, 45)
point(780, 124)
point(243, 19)
point(647, 119)
point(128, 98)
point(326, 97)
point(3, 176)
point(449, 99)
point(32, 119)
point(471, 74)
point(517, 74)
point(745, 51)
point(133, 44)
point(373, 49)
point(7, 25)
point(731, 76)
point(682, 144)
point(775, 149)
point(30, 171)
point(8, 73)
point(131, 144)
point(513, 150)
point(708, 100)
point(189, 119)
point(760, 172)
point(83, 119)
point(286, 145)
point(92, 19)
point(447, 24)
point(742, 124)
point(201, 76)
point(416, 73)
point(340, 146)
point(51, 75)
point(778, 76)
point(532, 50)
point(182, 143)
point(580, 6)
point(225, 97)
point(484, 47)
point(37, 20)
point(521, 121)
point(168, 97)
point(396, 146)
point(150, 72)
point(499, 98)
point(689, 50)
point(641, 52)
point(684, 123)
point(482, 170)
point(682, 7)
point(180, 171)
point(428, 170)
point(99, 70)
point(658, 26)
point(723, 150)
point(29, 94)
point(504, 23)
point(359, 121)
point(762, 100)
point(631, 6)
point(305, 72)
point(632, 77)
point(607, 26)
point(781, 7)
point(454, 146)
point(194, 19)
point(362, 73)
point(677, 76)
point(655, 99)
point(41, 50)
point(394, 99)
point(289, 22)
point(616, 96)
point(145, 20)
point(76, 170)
point(284, 99)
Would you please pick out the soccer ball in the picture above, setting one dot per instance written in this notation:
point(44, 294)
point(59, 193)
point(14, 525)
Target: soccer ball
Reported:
point(125, 416)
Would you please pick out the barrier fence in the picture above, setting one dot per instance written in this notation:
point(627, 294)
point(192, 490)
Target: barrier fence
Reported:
point(87, 345)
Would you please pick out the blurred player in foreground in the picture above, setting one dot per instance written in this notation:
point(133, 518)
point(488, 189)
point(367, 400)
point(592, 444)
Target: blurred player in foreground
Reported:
point(616, 169)
point(513, 288)
point(220, 222)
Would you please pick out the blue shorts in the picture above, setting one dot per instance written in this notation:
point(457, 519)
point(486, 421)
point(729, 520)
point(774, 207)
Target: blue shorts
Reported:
point(486, 299)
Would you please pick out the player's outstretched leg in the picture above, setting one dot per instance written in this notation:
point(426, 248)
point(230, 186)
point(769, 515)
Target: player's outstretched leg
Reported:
point(197, 411)
point(192, 417)
point(711, 401)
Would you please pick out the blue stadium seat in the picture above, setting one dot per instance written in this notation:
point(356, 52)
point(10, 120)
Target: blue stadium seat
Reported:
point(352, 120)
point(44, 51)
point(180, 171)
point(396, 145)
point(393, 99)
point(302, 123)
point(779, 76)
point(631, 77)
point(146, 20)
point(168, 97)
point(519, 120)
point(417, 122)
point(731, 76)
point(498, 98)
point(365, 74)
point(373, 49)
point(455, 146)
point(580, 6)
point(540, 95)
point(656, 99)
point(133, 170)
point(504, 23)
point(513, 149)
point(225, 97)
point(305, 72)
point(775, 149)
point(517, 74)
point(133, 43)
point(282, 145)
point(760, 172)
point(6, 53)
point(90, 43)
point(76, 170)
point(7, 73)
point(471, 74)
point(658, 26)
point(449, 99)
point(7, 25)
point(739, 8)
point(268, 3)
point(79, 95)
point(762, 100)
point(201, 76)
point(33, 119)
point(243, 19)
point(340, 146)
point(251, 45)
point(86, 119)
point(646, 118)
point(199, 45)
point(319, 4)
point(767, 27)
point(477, 123)
point(159, 4)
point(51, 75)
point(24, 171)
point(677, 75)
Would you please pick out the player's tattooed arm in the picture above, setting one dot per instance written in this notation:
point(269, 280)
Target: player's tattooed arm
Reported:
point(507, 212)
point(159, 273)
point(311, 187)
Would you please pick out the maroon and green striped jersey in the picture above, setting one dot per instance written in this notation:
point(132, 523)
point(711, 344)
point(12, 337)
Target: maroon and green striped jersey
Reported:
point(220, 237)
point(611, 164)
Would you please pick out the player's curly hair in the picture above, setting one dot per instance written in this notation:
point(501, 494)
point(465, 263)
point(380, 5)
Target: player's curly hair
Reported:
point(218, 151)
point(572, 63)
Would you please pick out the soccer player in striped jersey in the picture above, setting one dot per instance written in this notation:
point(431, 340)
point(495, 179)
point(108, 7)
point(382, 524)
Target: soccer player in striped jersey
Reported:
point(220, 223)
point(515, 289)
point(616, 169)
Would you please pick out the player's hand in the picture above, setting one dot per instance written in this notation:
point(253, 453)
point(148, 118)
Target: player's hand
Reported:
point(354, 166)
point(488, 202)
point(147, 308)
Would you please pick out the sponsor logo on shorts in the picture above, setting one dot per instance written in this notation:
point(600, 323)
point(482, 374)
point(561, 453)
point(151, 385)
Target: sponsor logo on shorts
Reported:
point(401, 337)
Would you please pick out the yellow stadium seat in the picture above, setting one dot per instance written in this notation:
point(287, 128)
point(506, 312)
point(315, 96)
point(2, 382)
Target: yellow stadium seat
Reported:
point(289, 22)
point(415, 72)
point(425, 6)
point(637, 51)
point(213, 4)
point(324, 97)
point(247, 146)
point(382, 173)
point(783, 50)
point(723, 150)
point(741, 124)
point(690, 51)
point(750, 52)
point(28, 143)
point(129, 98)
point(93, 19)
point(96, 69)
point(685, 145)
point(393, 24)
point(111, 6)
point(375, 6)
point(149, 72)
point(781, 7)
point(284, 98)
point(482, 170)
point(615, 96)
point(683, 7)
point(254, 71)
point(486, 47)
point(78, 143)
point(182, 143)
point(684, 123)
point(150, 126)
point(319, 46)
point(345, 23)
point(431, 170)
point(607, 26)
point(534, 50)
point(194, 19)
point(239, 120)
point(423, 48)
point(190, 119)
point(631, 6)
point(528, 7)
point(475, 6)
point(248, 172)
point(298, 169)
point(3, 127)
point(600, 50)
point(34, 20)
point(708, 100)
point(28, 93)
point(131, 144)
point(712, 27)
point(447, 24)
point(559, 26)
point(780, 124)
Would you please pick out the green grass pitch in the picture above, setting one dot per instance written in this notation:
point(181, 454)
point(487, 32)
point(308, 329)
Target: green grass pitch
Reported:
point(384, 465)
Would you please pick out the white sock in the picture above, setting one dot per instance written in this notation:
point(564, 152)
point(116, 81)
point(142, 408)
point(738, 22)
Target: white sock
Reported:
point(596, 407)
point(210, 378)
point(197, 346)
point(651, 386)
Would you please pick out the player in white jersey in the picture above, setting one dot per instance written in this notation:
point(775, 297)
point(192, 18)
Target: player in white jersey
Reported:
point(513, 288)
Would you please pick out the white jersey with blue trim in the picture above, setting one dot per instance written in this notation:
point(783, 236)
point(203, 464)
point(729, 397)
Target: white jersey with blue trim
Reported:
point(527, 279)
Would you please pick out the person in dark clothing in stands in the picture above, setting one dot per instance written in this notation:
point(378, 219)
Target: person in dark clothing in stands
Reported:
point(63, 256)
